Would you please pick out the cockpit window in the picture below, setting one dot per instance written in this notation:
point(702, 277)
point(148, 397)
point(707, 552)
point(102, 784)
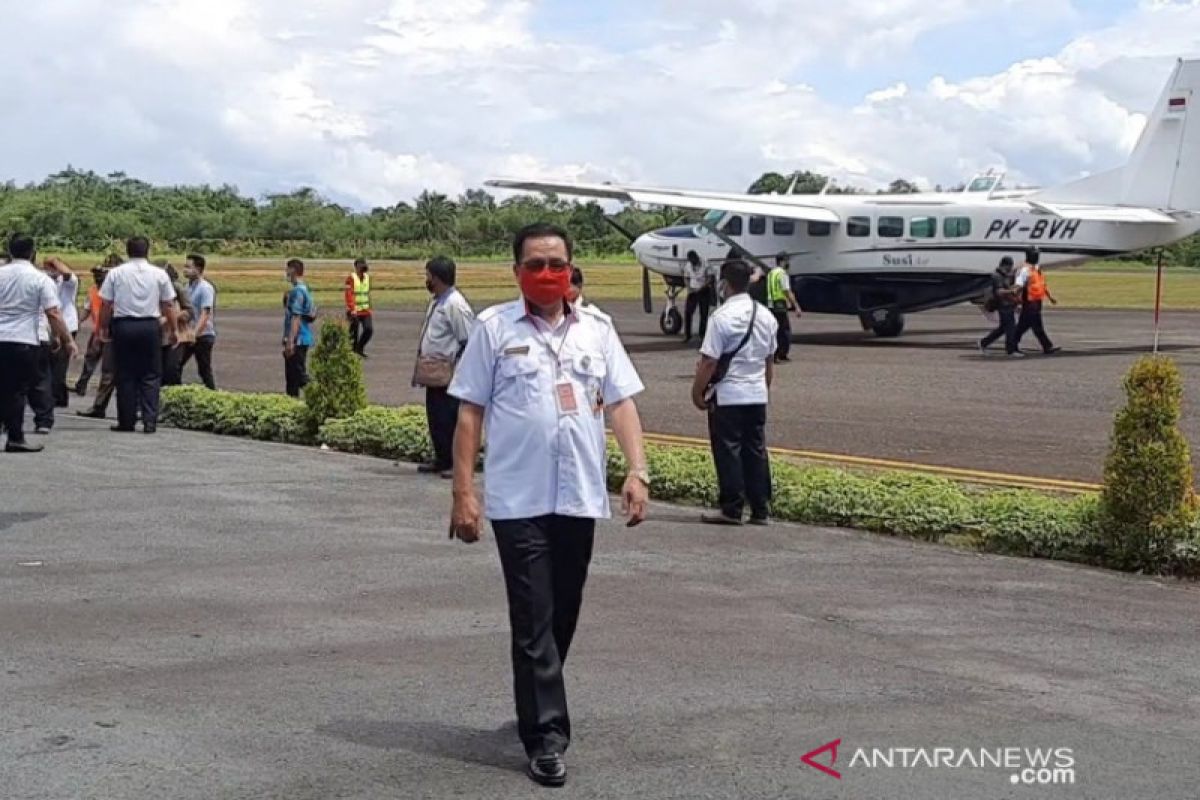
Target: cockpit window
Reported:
point(732, 227)
point(985, 184)
point(713, 218)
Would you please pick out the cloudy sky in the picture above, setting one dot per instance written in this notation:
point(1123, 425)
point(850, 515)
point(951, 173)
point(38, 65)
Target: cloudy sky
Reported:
point(372, 100)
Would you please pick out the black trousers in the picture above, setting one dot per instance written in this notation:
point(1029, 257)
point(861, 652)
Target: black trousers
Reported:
point(18, 367)
point(202, 349)
point(1031, 320)
point(1007, 328)
point(138, 357)
point(545, 563)
point(41, 391)
point(295, 370)
point(60, 362)
point(739, 447)
point(361, 331)
point(783, 340)
point(441, 410)
point(702, 300)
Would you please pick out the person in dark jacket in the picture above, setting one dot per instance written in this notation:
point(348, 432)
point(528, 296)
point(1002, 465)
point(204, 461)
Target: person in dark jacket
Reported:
point(1003, 299)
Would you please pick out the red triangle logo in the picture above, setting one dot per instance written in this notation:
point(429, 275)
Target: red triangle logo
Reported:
point(832, 748)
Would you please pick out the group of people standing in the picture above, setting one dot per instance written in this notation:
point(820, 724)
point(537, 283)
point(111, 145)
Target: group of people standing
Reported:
point(145, 328)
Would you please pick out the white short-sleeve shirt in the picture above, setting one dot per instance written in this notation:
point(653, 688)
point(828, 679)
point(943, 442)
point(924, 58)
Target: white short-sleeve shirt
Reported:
point(26, 293)
point(539, 460)
point(745, 383)
point(137, 288)
point(68, 294)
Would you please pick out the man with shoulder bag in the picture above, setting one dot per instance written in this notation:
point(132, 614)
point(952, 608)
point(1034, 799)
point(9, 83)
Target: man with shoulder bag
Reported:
point(731, 384)
point(448, 322)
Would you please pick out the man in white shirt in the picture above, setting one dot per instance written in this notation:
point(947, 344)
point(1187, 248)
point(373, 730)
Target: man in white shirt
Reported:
point(68, 295)
point(540, 373)
point(699, 294)
point(448, 322)
point(134, 297)
point(27, 297)
point(732, 384)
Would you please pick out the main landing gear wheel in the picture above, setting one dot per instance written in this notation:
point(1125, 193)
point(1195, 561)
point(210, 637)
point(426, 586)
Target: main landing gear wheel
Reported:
point(670, 321)
point(885, 324)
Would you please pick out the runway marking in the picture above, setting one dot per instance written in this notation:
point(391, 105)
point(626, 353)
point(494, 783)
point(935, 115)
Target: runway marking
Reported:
point(968, 475)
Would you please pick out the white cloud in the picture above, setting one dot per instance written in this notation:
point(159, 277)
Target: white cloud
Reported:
point(373, 100)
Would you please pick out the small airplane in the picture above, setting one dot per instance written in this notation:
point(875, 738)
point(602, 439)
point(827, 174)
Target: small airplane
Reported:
point(879, 257)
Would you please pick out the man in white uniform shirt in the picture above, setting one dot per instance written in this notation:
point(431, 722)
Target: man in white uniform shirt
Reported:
point(135, 296)
point(27, 296)
point(699, 294)
point(732, 383)
point(539, 374)
point(448, 322)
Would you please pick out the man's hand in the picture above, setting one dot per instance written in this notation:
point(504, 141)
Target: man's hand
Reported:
point(73, 350)
point(105, 335)
point(1053, 302)
point(466, 518)
point(634, 495)
point(288, 349)
point(698, 402)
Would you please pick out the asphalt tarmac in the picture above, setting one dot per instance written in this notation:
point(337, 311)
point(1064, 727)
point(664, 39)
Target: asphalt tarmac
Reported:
point(927, 397)
point(188, 616)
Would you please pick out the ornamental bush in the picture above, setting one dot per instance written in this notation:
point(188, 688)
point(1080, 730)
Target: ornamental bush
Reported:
point(337, 389)
point(1148, 506)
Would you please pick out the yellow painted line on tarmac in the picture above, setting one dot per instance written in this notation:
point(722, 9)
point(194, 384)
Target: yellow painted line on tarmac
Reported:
point(957, 473)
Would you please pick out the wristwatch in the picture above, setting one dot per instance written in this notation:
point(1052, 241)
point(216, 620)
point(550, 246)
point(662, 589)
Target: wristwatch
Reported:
point(642, 475)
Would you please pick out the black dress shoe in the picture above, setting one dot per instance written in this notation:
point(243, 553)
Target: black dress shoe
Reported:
point(548, 770)
point(92, 414)
point(431, 469)
point(23, 447)
point(761, 522)
point(149, 429)
point(719, 519)
point(119, 429)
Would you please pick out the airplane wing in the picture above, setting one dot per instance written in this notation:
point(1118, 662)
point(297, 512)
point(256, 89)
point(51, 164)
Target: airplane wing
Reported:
point(783, 206)
point(1094, 213)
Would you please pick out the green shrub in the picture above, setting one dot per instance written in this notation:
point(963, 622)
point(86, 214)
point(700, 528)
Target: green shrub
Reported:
point(337, 389)
point(1148, 504)
point(1025, 523)
point(270, 417)
point(401, 434)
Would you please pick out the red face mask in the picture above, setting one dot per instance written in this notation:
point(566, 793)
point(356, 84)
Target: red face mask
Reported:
point(545, 287)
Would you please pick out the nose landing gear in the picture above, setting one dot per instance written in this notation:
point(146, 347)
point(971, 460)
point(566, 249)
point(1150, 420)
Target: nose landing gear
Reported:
point(670, 321)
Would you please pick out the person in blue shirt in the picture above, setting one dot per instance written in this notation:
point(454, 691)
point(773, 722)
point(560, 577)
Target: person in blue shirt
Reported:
point(298, 315)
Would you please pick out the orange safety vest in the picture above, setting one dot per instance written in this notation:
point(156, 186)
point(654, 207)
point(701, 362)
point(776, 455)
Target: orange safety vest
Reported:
point(1035, 289)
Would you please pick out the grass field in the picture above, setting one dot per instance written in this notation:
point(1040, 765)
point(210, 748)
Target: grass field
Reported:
point(259, 283)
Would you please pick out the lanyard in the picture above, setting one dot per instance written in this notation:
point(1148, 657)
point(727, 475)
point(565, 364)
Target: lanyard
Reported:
point(547, 343)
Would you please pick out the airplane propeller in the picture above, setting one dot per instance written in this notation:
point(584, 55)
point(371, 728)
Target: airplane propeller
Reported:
point(647, 303)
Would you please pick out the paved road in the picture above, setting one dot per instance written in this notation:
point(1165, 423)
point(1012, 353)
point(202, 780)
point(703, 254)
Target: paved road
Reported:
point(927, 397)
point(258, 621)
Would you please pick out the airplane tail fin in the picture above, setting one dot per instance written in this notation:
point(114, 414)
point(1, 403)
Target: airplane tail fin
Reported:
point(1163, 171)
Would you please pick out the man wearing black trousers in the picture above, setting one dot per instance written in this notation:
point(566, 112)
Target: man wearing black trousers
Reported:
point(541, 373)
point(732, 383)
point(1032, 284)
point(1003, 301)
point(448, 322)
point(135, 296)
point(28, 300)
point(699, 294)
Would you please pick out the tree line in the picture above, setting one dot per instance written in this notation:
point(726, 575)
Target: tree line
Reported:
point(83, 211)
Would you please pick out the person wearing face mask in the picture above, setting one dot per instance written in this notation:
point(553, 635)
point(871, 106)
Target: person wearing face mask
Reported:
point(539, 374)
point(448, 322)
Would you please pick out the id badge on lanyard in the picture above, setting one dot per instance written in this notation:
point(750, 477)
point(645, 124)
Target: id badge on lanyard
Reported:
point(564, 389)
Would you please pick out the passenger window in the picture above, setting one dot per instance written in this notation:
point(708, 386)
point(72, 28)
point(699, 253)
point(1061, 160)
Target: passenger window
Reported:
point(956, 227)
point(783, 227)
point(733, 227)
point(923, 227)
point(758, 226)
point(858, 227)
point(820, 228)
point(891, 227)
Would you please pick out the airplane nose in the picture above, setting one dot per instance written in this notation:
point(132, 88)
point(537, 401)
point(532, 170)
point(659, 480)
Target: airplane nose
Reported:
point(641, 249)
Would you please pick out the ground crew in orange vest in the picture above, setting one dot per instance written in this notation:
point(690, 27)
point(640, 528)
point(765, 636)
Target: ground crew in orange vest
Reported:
point(358, 306)
point(1032, 281)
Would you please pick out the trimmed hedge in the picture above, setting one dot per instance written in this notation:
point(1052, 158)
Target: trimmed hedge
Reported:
point(1009, 522)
